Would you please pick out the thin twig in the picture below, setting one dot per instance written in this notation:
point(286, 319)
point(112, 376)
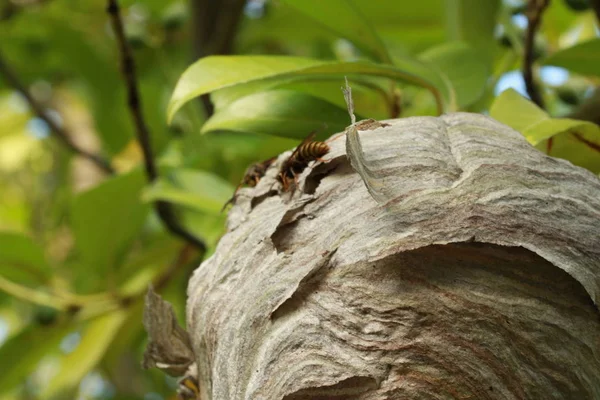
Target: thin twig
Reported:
point(535, 8)
point(163, 209)
point(59, 132)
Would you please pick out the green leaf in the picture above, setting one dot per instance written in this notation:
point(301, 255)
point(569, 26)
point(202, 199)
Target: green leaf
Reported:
point(23, 352)
point(370, 98)
point(473, 22)
point(516, 111)
point(580, 145)
point(583, 58)
point(95, 341)
point(575, 140)
point(106, 219)
point(464, 67)
point(22, 260)
point(279, 113)
point(345, 19)
point(200, 190)
point(218, 72)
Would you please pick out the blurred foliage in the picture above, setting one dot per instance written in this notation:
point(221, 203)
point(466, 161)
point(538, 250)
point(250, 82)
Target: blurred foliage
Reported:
point(78, 248)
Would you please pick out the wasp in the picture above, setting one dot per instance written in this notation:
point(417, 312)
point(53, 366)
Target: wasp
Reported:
point(255, 172)
point(307, 151)
point(188, 388)
point(252, 176)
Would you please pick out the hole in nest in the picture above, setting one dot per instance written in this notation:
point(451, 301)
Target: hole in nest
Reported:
point(347, 389)
point(308, 285)
point(256, 201)
point(313, 181)
point(314, 178)
point(283, 235)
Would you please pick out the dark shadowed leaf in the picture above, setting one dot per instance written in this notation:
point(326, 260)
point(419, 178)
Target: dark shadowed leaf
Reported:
point(105, 220)
point(474, 22)
point(279, 113)
point(22, 260)
point(583, 58)
point(199, 190)
point(371, 96)
point(345, 19)
point(464, 67)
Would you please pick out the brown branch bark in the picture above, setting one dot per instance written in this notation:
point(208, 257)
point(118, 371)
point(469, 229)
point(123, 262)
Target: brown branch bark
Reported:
point(163, 209)
point(535, 8)
point(40, 111)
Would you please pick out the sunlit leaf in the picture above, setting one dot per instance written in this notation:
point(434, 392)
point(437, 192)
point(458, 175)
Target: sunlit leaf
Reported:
point(583, 58)
point(105, 220)
point(575, 140)
point(95, 340)
point(218, 72)
point(280, 113)
point(343, 18)
point(465, 68)
point(22, 353)
point(200, 190)
point(22, 260)
point(517, 112)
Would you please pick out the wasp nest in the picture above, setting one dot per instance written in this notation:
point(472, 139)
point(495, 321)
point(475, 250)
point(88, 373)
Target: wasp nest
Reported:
point(432, 258)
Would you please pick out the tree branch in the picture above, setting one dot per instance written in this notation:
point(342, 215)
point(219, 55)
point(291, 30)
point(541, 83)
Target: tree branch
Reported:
point(59, 132)
point(163, 209)
point(535, 8)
